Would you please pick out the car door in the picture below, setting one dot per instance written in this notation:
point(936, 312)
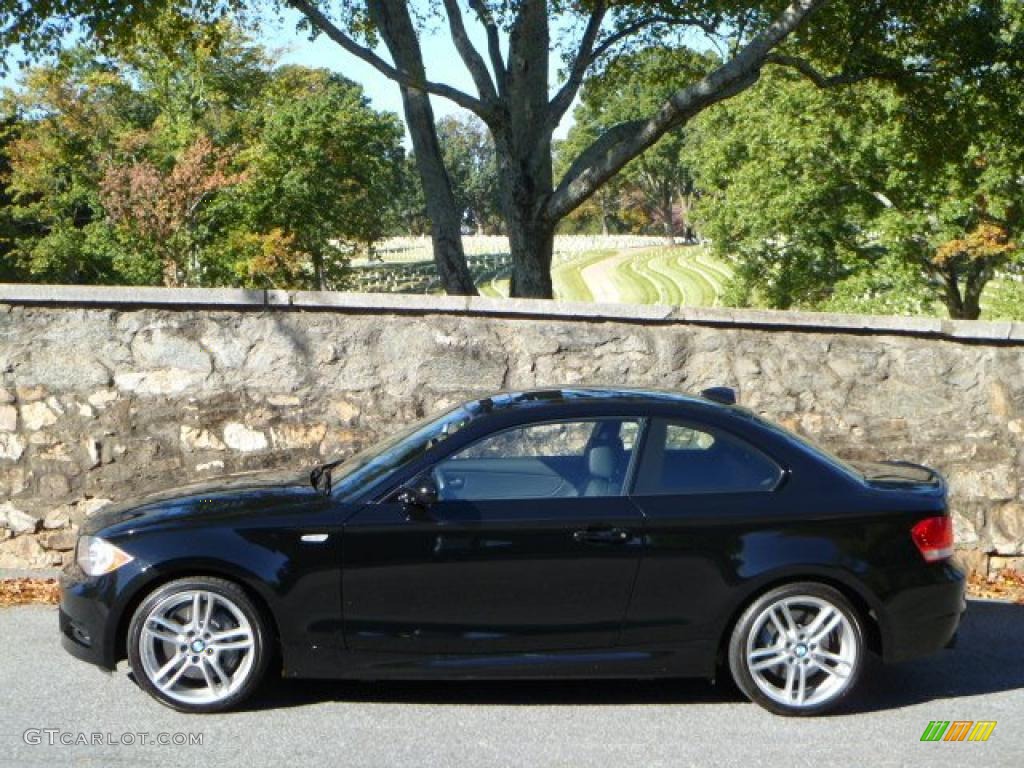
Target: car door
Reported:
point(530, 546)
point(702, 490)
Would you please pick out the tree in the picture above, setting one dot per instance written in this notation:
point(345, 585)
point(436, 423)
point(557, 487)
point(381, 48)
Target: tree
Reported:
point(65, 122)
point(877, 197)
point(409, 208)
point(11, 230)
point(325, 171)
point(468, 154)
point(631, 86)
point(513, 91)
point(131, 169)
point(160, 209)
point(604, 209)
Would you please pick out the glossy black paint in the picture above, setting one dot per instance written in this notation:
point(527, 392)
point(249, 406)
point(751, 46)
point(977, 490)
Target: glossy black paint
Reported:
point(617, 586)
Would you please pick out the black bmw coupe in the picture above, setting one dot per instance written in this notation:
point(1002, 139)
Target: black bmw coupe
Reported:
point(551, 533)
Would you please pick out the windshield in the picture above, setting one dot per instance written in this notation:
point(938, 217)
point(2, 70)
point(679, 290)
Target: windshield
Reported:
point(382, 460)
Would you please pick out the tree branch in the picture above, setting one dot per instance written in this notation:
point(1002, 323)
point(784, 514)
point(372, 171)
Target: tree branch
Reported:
point(630, 29)
point(589, 53)
point(617, 146)
point(470, 56)
point(320, 21)
point(822, 80)
point(709, 28)
point(493, 42)
point(581, 63)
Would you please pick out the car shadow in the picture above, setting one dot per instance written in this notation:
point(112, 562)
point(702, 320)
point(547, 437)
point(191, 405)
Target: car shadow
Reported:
point(985, 660)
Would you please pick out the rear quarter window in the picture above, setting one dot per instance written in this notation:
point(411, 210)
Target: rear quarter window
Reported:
point(680, 459)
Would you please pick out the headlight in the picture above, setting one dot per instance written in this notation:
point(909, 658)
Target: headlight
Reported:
point(96, 556)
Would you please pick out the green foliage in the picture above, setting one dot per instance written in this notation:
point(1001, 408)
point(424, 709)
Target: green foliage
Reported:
point(888, 286)
point(775, 193)
point(895, 192)
point(654, 191)
point(876, 196)
point(200, 166)
point(63, 123)
point(408, 211)
point(324, 170)
point(469, 157)
point(1005, 298)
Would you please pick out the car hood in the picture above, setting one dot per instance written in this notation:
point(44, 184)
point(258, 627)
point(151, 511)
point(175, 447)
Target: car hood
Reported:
point(248, 491)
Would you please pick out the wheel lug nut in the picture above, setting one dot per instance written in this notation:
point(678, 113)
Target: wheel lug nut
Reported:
point(195, 659)
point(209, 651)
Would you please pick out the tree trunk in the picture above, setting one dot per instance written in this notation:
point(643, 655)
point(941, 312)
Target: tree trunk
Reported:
point(531, 237)
point(523, 146)
point(445, 221)
point(518, 109)
point(395, 25)
point(532, 246)
point(318, 271)
point(966, 305)
point(685, 206)
point(978, 275)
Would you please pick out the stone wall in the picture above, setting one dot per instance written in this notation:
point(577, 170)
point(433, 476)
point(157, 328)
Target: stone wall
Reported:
point(107, 393)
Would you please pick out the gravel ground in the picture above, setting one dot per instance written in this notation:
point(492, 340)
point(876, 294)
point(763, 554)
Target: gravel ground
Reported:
point(665, 723)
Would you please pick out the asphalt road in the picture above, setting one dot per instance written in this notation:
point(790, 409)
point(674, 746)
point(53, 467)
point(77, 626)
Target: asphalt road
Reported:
point(666, 723)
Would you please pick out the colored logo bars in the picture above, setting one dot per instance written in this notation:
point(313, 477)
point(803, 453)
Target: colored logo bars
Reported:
point(958, 730)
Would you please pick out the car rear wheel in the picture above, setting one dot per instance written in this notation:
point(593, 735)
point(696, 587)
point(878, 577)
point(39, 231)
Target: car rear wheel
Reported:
point(198, 644)
point(798, 649)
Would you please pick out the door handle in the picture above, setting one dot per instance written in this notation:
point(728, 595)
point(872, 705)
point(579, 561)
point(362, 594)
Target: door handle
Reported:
point(602, 536)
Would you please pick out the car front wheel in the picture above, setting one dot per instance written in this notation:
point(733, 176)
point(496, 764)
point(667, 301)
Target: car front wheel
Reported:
point(798, 649)
point(198, 644)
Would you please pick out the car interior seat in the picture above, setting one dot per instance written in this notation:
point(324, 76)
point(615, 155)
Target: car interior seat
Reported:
point(604, 467)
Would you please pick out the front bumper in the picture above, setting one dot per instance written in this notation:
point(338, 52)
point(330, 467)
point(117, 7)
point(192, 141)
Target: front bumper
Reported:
point(924, 618)
point(84, 618)
point(91, 609)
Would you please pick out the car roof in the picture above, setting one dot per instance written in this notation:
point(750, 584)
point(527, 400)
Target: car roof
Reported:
point(565, 396)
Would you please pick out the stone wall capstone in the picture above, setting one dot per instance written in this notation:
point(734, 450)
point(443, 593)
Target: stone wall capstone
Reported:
point(109, 393)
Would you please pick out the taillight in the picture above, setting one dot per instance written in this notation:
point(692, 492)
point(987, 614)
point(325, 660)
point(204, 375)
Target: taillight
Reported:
point(934, 537)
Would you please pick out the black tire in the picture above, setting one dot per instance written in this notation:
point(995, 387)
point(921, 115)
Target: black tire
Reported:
point(225, 590)
point(750, 621)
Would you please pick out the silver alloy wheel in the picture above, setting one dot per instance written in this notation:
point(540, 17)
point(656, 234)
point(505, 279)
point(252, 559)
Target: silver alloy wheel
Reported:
point(197, 647)
point(801, 651)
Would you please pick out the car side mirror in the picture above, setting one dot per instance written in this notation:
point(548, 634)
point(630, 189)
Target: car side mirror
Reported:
point(421, 494)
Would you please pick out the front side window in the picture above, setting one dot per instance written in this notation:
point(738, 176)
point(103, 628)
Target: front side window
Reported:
point(680, 458)
point(550, 460)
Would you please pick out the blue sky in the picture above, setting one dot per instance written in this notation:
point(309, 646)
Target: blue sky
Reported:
point(442, 62)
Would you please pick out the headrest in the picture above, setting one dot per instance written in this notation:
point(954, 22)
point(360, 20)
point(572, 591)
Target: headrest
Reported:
point(601, 461)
